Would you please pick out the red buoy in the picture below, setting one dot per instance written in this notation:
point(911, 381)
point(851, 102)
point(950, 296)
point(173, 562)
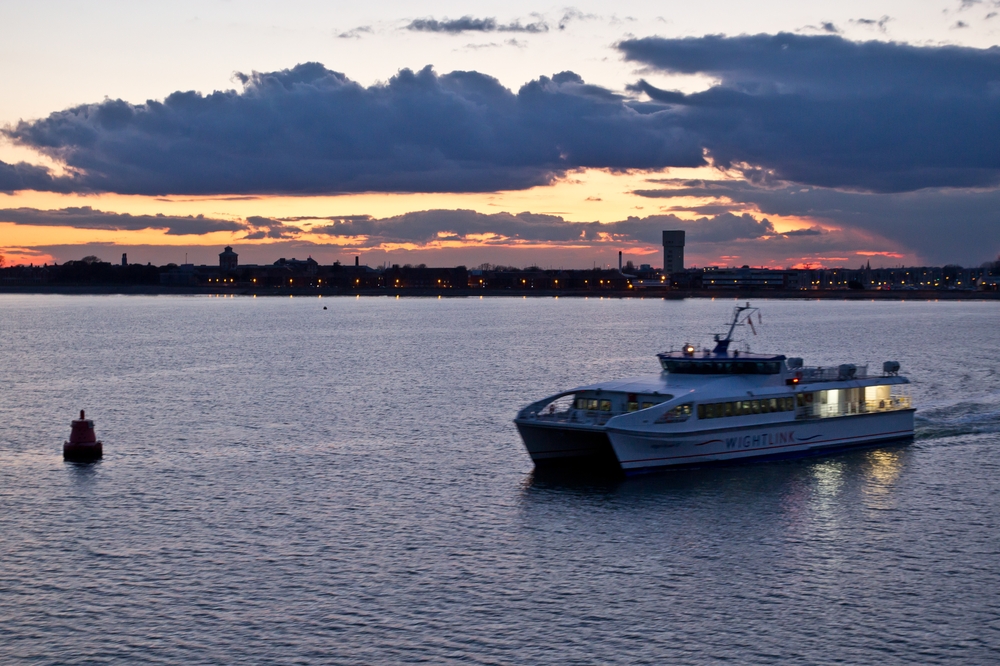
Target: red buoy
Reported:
point(82, 445)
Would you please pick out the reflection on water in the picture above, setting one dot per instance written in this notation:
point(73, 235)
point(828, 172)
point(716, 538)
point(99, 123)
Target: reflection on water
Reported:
point(873, 470)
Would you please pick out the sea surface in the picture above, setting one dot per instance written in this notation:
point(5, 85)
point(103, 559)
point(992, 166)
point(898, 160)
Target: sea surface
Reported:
point(288, 484)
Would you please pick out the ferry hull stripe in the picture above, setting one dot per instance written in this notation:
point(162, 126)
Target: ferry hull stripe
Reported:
point(871, 436)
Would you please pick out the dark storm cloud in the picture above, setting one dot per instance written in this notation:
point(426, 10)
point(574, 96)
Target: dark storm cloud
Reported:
point(942, 225)
point(826, 111)
point(470, 24)
point(24, 176)
point(311, 130)
point(85, 217)
point(434, 225)
point(817, 110)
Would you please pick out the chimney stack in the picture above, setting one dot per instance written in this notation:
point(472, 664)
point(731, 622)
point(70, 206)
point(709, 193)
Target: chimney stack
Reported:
point(357, 261)
point(619, 261)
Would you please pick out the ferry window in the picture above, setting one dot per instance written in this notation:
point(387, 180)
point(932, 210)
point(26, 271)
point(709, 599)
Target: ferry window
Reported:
point(789, 404)
point(647, 405)
point(592, 405)
point(680, 413)
point(632, 406)
point(721, 368)
point(773, 404)
point(701, 411)
point(605, 405)
point(801, 398)
point(755, 406)
point(729, 409)
point(580, 403)
point(880, 392)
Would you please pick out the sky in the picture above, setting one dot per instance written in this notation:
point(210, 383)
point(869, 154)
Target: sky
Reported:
point(780, 134)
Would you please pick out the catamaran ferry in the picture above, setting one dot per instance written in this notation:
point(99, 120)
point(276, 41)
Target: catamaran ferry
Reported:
point(719, 406)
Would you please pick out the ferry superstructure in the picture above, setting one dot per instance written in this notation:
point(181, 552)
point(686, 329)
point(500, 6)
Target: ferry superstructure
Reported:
point(719, 406)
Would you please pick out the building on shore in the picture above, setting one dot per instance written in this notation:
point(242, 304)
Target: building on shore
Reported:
point(673, 251)
point(228, 260)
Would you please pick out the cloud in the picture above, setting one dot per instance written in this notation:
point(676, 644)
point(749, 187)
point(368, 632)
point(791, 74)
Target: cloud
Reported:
point(573, 14)
point(493, 45)
point(879, 23)
point(826, 111)
point(825, 26)
point(24, 176)
point(818, 110)
point(470, 237)
point(470, 24)
point(312, 130)
point(263, 227)
point(428, 226)
point(356, 33)
point(940, 225)
point(85, 217)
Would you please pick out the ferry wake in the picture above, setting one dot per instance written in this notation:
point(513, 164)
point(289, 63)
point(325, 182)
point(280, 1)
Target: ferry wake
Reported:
point(718, 406)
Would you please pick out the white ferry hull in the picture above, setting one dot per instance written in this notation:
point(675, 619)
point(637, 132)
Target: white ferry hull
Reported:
point(646, 450)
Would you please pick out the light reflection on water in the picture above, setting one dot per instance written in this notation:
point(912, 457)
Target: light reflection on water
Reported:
point(286, 484)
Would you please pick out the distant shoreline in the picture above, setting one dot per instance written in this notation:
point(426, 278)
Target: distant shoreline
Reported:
point(675, 294)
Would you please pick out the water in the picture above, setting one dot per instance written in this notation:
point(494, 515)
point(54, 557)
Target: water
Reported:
point(286, 484)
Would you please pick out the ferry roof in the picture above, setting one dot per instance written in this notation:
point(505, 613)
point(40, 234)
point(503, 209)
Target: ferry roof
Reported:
point(641, 384)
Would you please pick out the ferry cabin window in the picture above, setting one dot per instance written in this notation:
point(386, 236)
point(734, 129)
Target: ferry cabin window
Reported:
point(647, 405)
point(804, 399)
point(678, 413)
point(717, 410)
point(605, 405)
point(632, 406)
point(721, 367)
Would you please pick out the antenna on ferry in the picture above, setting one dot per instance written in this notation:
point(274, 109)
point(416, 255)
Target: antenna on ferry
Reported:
point(722, 343)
